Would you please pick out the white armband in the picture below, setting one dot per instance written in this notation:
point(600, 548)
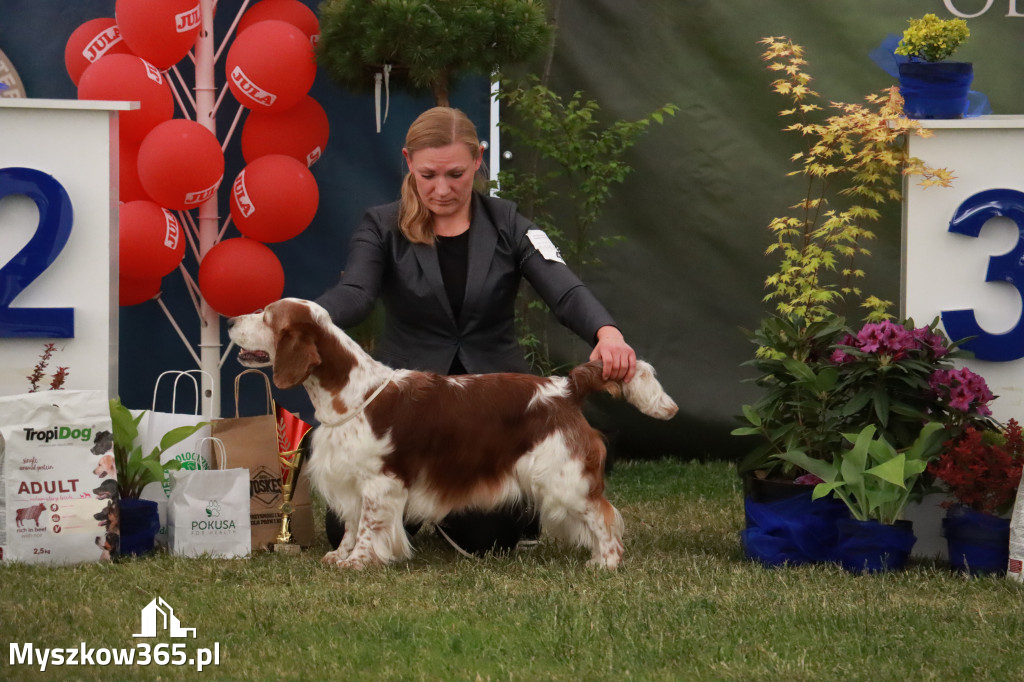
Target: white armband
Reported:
point(543, 244)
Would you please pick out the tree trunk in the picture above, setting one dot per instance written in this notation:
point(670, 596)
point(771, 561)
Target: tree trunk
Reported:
point(439, 88)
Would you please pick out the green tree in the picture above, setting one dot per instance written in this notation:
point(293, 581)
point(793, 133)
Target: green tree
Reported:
point(426, 42)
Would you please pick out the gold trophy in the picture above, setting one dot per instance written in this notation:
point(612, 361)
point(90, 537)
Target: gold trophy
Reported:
point(292, 463)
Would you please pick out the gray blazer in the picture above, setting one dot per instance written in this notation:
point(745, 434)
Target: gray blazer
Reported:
point(420, 331)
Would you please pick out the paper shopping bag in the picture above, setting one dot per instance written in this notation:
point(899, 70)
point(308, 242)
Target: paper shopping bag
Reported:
point(293, 444)
point(251, 443)
point(156, 424)
point(208, 513)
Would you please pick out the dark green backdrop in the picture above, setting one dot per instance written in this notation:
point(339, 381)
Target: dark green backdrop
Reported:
point(694, 213)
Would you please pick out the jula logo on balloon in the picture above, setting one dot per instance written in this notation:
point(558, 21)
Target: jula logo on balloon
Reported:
point(250, 89)
point(187, 21)
point(245, 205)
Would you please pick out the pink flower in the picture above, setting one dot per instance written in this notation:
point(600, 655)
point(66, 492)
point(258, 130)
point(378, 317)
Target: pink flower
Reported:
point(886, 338)
point(929, 341)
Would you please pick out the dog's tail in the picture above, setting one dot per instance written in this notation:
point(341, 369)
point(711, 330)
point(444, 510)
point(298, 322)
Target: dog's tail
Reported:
point(644, 391)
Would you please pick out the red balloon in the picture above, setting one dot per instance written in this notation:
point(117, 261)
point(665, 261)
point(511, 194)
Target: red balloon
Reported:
point(274, 198)
point(300, 132)
point(180, 164)
point(238, 276)
point(150, 239)
point(270, 66)
point(290, 11)
point(160, 31)
point(128, 78)
point(90, 41)
point(129, 186)
point(134, 291)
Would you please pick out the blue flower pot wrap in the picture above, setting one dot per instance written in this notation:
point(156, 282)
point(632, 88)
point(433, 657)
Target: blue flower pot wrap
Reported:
point(935, 90)
point(794, 530)
point(978, 543)
point(873, 547)
point(140, 521)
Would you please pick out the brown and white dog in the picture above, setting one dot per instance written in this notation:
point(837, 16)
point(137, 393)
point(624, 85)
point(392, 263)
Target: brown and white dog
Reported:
point(418, 445)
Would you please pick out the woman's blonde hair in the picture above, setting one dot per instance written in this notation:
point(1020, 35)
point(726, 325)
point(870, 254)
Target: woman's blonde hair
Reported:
point(437, 127)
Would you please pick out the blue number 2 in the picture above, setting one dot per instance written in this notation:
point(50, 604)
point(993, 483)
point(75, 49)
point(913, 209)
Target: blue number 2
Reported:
point(55, 219)
point(1008, 267)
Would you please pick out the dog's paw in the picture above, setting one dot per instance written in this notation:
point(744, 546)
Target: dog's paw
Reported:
point(334, 557)
point(351, 564)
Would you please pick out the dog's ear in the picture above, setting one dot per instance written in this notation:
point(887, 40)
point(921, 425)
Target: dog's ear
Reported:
point(295, 358)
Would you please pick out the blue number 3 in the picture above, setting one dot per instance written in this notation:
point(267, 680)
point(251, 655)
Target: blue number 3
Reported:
point(55, 220)
point(968, 219)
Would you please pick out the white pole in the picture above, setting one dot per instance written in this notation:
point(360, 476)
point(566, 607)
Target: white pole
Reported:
point(206, 93)
point(494, 148)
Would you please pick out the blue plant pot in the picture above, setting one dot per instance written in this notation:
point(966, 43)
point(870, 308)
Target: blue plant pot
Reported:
point(140, 521)
point(784, 526)
point(978, 543)
point(873, 547)
point(935, 90)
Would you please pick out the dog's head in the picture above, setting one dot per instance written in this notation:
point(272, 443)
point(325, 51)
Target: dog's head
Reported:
point(285, 336)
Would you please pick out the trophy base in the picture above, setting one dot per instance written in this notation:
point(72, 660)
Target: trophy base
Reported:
point(285, 548)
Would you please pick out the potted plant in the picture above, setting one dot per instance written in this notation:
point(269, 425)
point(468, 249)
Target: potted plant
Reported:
point(821, 379)
point(931, 86)
point(981, 469)
point(140, 520)
point(850, 162)
point(875, 481)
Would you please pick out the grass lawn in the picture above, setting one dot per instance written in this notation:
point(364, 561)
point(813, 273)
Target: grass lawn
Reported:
point(684, 606)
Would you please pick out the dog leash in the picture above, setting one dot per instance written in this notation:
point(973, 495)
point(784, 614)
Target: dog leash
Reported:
point(356, 412)
point(455, 545)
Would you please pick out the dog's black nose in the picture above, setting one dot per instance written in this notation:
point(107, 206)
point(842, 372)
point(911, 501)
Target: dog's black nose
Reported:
point(231, 322)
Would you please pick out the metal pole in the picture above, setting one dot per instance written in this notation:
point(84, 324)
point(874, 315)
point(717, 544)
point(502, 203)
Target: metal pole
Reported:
point(206, 93)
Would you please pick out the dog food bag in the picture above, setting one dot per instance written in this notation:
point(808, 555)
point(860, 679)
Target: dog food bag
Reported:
point(1015, 569)
point(58, 484)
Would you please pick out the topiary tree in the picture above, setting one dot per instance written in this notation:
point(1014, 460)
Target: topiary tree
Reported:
point(426, 43)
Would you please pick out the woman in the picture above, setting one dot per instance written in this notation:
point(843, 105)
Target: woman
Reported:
point(447, 262)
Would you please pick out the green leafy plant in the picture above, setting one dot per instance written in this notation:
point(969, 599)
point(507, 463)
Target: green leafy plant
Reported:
point(426, 43)
point(822, 380)
point(874, 479)
point(851, 162)
point(932, 39)
point(571, 164)
point(135, 471)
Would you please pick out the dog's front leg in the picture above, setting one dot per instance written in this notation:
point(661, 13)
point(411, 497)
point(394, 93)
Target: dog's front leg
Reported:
point(381, 536)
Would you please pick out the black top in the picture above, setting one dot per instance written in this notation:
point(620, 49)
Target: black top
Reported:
point(453, 257)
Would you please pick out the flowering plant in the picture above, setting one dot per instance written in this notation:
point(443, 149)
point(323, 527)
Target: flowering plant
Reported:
point(932, 39)
point(823, 380)
point(982, 468)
